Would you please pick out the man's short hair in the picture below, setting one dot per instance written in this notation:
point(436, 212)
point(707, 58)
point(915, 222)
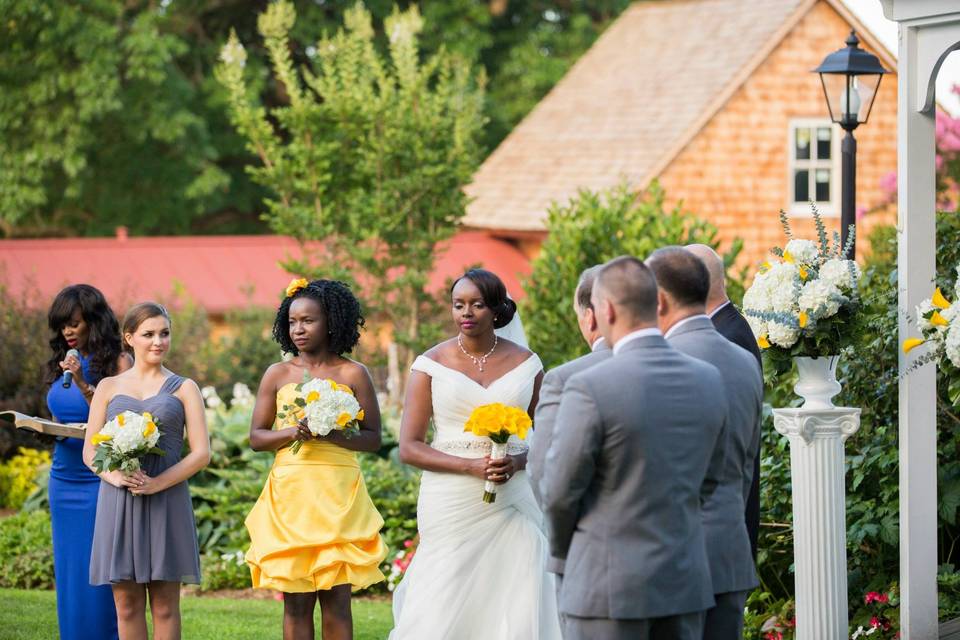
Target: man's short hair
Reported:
point(630, 285)
point(585, 287)
point(681, 274)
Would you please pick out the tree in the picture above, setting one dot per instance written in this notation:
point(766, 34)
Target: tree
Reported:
point(99, 126)
point(591, 229)
point(369, 156)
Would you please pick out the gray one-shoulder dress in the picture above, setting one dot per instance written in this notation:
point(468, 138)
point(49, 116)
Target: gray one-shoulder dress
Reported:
point(147, 538)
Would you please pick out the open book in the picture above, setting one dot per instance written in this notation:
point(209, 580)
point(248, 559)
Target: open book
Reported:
point(40, 425)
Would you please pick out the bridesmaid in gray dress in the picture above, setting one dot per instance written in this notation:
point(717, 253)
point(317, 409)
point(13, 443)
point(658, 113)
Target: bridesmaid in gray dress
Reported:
point(145, 539)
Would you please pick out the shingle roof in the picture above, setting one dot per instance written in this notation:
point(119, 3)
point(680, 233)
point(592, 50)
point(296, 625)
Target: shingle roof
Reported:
point(220, 273)
point(627, 105)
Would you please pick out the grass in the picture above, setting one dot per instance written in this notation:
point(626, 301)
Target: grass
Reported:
point(32, 615)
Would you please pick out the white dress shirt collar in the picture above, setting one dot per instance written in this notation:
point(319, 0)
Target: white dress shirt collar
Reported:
point(718, 309)
point(598, 343)
point(676, 326)
point(634, 335)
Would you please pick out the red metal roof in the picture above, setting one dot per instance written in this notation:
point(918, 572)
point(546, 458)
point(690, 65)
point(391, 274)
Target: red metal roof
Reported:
point(219, 273)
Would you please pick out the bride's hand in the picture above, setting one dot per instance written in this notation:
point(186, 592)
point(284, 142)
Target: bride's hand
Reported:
point(477, 467)
point(499, 471)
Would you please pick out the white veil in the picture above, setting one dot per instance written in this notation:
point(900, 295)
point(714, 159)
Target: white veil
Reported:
point(514, 331)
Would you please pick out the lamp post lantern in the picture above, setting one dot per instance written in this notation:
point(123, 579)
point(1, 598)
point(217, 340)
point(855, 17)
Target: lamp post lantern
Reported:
point(850, 78)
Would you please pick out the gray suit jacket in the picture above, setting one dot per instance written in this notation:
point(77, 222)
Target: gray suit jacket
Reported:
point(544, 421)
point(622, 483)
point(728, 543)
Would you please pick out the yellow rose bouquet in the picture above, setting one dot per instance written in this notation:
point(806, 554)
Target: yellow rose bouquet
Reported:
point(326, 406)
point(498, 422)
point(124, 440)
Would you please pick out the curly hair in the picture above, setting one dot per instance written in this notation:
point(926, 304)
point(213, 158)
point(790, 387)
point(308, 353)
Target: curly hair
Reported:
point(103, 339)
point(342, 309)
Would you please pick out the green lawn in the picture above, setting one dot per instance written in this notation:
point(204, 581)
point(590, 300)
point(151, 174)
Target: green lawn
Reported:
point(31, 615)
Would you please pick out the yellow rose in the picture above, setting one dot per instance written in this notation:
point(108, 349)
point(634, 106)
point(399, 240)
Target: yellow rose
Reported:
point(803, 319)
point(313, 396)
point(360, 414)
point(149, 429)
point(148, 416)
point(344, 388)
point(333, 385)
point(121, 420)
point(763, 343)
point(343, 419)
point(295, 285)
point(100, 437)
point(787, 257)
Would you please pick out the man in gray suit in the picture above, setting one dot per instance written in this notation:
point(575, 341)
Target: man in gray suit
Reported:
point(684, 283)
point(544, 422)
point(621, 486)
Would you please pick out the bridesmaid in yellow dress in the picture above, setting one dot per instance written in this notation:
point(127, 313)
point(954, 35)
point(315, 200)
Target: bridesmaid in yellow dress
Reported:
point(314, 532)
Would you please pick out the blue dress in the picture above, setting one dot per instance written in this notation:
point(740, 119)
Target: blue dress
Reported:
point(84, 612)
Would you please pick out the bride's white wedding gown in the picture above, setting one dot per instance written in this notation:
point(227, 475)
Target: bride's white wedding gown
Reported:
point(479, 572)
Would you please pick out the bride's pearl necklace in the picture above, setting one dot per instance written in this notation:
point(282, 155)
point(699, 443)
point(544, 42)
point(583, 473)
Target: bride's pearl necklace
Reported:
point(482, 360)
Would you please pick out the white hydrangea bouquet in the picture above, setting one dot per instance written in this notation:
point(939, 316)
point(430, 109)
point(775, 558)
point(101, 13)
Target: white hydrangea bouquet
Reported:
point(124, 440)
point(324, 405)
point(938, 324)
point(804, 302)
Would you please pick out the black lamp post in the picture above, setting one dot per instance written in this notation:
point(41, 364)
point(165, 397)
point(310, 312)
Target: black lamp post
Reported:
point(850, 77)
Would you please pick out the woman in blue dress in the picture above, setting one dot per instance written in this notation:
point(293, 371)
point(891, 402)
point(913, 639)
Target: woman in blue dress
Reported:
point(80, 320)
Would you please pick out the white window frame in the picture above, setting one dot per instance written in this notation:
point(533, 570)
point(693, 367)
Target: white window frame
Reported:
point(802, 209)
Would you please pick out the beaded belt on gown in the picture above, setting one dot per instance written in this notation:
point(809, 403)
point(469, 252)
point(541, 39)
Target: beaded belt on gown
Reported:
point(475, 448)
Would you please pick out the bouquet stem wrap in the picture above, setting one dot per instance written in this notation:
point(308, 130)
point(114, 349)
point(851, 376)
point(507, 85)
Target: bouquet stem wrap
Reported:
point(498, 451)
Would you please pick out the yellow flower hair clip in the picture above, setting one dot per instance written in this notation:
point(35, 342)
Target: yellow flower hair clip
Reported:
point(295, 285)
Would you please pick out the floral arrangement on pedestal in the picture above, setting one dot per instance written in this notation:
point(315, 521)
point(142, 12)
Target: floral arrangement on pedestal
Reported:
point(938, 324)
point(803, 303)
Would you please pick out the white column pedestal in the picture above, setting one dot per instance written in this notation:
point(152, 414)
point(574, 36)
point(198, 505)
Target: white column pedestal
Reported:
point(819, 516)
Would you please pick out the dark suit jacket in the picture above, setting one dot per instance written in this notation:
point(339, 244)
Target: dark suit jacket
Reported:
point(731, 324)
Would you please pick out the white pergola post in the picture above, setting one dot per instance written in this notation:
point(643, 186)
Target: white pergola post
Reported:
point(929, 30)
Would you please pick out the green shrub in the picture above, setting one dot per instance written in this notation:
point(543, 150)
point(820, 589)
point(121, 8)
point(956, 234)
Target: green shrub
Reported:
point(224, 571)
point(590, 229)
point(26, 551)
point(23, 354)
point(18, 476)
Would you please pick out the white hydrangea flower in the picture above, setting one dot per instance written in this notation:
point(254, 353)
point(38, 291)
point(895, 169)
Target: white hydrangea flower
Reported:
point(757, 325)
point(819, 299)
point(782, 335)
point(923, 309)
point(837, 273)
point(781, 282)
point(952, 345)
point(324, 412)
point(757, 297)
point(803, 251)
point(950, 313)
point(210, 397)
point(126, 430)
point(242, 396)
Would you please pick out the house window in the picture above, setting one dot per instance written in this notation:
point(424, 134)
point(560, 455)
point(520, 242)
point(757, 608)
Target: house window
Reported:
point(814, 167)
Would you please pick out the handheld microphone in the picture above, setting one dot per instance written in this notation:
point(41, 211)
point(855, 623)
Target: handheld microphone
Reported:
point(68, 375)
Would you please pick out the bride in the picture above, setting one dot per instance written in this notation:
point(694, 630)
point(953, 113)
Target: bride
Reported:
point(479, 571)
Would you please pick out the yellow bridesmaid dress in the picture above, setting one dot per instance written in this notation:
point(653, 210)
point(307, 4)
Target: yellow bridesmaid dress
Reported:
point(314, 526)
